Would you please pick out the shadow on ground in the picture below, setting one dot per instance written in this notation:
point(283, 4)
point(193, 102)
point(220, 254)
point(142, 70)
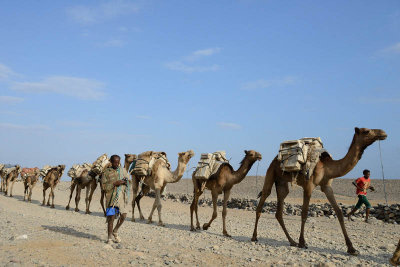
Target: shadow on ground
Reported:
point(70, 231)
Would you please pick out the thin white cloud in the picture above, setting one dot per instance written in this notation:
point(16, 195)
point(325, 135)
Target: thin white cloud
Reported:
point(113, 43)
point(229, 125)
point(106, 11)
point(262, 84)
point(393, 49)
point(6, 72)
point(12, 126)
point(186, 64)
point(10, 99)
point(180, 66)
point(143, 117)
point(71, 86)
point(203, 53)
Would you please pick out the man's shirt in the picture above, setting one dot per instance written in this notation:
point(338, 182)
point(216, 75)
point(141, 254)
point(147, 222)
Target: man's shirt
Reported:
point(361, 182)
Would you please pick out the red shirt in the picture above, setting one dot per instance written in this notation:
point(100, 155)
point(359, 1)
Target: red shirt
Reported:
point(360, 184)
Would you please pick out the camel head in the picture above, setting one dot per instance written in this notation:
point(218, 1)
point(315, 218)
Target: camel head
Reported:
point(252, 155)
point(129, 158)
point(185, 156)
point(18, 168)
point(365, 137)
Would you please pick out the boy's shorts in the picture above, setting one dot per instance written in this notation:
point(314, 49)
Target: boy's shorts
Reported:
point(362, 199)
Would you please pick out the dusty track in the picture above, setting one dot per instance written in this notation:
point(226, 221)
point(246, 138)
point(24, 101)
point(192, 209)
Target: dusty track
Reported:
point(58, 237)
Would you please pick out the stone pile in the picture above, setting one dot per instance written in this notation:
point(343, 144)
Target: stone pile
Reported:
point(389, 214)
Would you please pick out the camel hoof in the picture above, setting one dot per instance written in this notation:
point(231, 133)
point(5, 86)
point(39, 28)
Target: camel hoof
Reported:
point(254, 239)
point(11, 195)
point(149, 221)
point(88, 212)
point(67, 207)
point(205, 226)
point(394, 262)
point(161, 224)
point(304, 245)
point(353, 252)
point(142, 218)
point(52, 206)
point(227, 235)
point(294, 244)
point(133, 220)
point(198, 227)
point(192, 229)
point(76, 210)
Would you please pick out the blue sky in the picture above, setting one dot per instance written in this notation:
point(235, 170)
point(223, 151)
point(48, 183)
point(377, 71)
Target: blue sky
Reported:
point(82, 78)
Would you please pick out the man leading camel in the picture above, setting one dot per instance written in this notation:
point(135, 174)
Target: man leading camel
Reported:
point(115, 183)
point(362, 184)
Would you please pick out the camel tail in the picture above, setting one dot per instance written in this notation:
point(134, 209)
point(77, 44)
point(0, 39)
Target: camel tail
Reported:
point(259, 194)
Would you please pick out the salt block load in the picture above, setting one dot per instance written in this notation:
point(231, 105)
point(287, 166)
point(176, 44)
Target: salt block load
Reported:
point(209, 164)
point(300, 155)
point(146, 160)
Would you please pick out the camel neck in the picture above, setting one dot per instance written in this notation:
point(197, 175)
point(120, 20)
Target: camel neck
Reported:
point(126, 165)
point(241, 173)
point(178, 173)
point(339, 168)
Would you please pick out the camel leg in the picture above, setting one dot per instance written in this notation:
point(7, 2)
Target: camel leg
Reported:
point(72, 188)
point(93, 187)
point(304, 214)
point(149, 220)
point(77, 197)
point(214, 194)
point(12, 186)
point(30, 192)
point(282, 190)
point(44, 194)
point(266, 191)
point(25, 190)
point(135, 186)
point(193, 208)
point(159, 205)
point(52, 197)
point(395, 260)
point(87, 197)
point(331, 198)
point(196, 208)
point(195, 203)
point(145, 190)
point(224, 212)
point(7, 183)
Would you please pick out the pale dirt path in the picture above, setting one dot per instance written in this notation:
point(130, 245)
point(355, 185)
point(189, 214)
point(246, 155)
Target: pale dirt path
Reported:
point(58, 237)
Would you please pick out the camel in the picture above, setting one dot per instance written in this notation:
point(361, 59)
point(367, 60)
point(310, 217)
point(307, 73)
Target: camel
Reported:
point(221, 182)
point(30, 180)
point(87, 179)
point(159, 178)
point(129, 158)
point(395, 260)
point(51, 180)
point(325, 171)
point(2, 176)
point(11, 176)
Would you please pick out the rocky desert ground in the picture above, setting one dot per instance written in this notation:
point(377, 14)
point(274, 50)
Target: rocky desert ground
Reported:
point(35, 235)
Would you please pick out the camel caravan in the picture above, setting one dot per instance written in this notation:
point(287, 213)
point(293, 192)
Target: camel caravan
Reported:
point(303, 162)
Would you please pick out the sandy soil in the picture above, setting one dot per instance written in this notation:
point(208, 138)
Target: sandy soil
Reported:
point(56, 237)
